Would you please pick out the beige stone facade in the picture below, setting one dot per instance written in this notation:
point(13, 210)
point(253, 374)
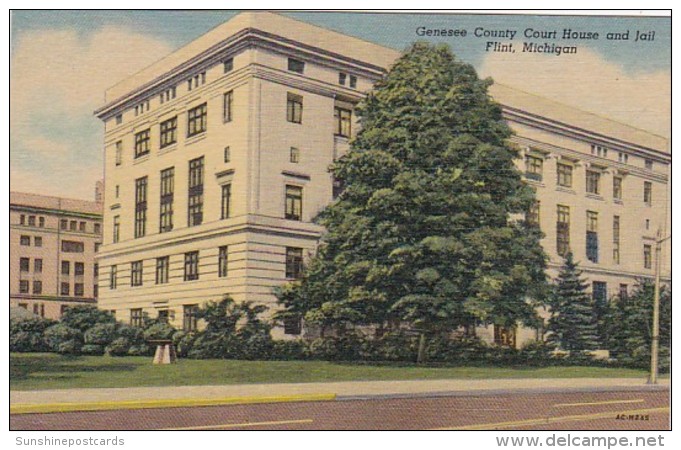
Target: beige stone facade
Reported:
point(216, 160)
point(52, 252)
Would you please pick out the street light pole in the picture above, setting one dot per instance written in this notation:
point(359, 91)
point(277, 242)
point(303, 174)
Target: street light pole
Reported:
point(655, 345)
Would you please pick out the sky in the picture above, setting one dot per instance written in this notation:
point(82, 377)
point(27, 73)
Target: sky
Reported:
point(62, 62)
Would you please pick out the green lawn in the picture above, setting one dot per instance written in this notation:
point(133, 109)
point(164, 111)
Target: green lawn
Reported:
point(50, 371)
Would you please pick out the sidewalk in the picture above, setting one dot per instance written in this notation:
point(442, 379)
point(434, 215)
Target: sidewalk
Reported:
point(175, 396)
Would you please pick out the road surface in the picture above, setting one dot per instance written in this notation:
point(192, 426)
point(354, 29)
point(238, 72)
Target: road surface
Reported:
point(625, 410)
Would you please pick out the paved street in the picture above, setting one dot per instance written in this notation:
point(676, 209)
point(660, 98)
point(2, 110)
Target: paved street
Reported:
point(615, 410)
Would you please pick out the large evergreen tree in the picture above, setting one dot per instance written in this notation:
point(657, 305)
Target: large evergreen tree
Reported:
point(573, 323)
point(428, 231)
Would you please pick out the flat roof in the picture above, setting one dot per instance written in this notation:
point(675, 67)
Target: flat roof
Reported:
point(54, 203)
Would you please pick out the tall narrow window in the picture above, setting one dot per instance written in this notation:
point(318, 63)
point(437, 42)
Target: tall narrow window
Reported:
point(65, 267)
point(162, 269)
point(190, 316)
point(533, 214)
point(616, 239)
point(136, 269)
point(353, 81)
point(142, 141)
point(228, 65)
point(294, 108)
point(534, 167)
point(222, 261)
point(617, 188)
point(119, 153)
point(167, 198)
point(113, 277)
point(196, 120)
point(593, 181)
point(294, 203)
point(226, 200)
point(116, 229)
point(195, 208)
point(78, 289)
point(564, 175)
point(599, 294)
point(647, 256)
point(23, 286)
point(648, 193)
point(24, 264)
point(78, 269)
point(341, 78)
point(294, 155)
point(38, 265)
point(343, 119)
point(592, 236)
point(227, 101)
point(169, 132)
point(624, 291)
point(136, 317)
point(563, 230)
point(191, 266)
point(37, 287)
point(140, 206)
point(294, 262)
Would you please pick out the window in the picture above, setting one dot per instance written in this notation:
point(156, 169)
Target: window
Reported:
point(534, 167)
point(293, 326)
point(222, 261)
point(113, 277)
point(31, 221)
point(195, 208)
point(294, 203)
point(648, 193)
point(294, 262)
point(294, 108)
point(563, 230)
point(649, 164)
point(532, 216)
point(226, 199)
point(37, 287)
point(116, 228)
point(228, 65)
point(196, 120)
point(163, 316)
point(616, 239)
point(190, 316)
point(167, 198)
point(227, 154)
point(136, 317)
point(162, 269)
point(82, 227)
point(504, 336)
point(25, 240)
point(73, 225)
point(119, 119)
point(136, 269)
point(592, 236)
point(295, 65)
point(63, 224)
point(38, 265)
point(593, 180)
point(599, 294)
point(24, 264)
point(196, 81)
point(647, 224)
point(624, 291)
point(617, 188)
point(95, 270)
point(623, 158)
point(342, 118)
point(142, 141)
point(72, 247)
point(647, 256)
point(119, 153)
point(168, 95)
point(79, 269)
point(353, 81)
point(341, 78)
point(22, 219)
point(23, 286)
point(65, 288)
point(41, 222)
point(78, 289)
point(38, 241)
point(337, 188)
point(598, 150)
point(140, 207)
point(294, 155)
point(169, 132)
point(65, 267)
point(98, 228)
point(191, 266)
point(95, 291)
point(97, 245)
point(227, 101)
point(564, 175)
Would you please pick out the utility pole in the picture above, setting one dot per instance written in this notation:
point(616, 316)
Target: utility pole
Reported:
point(655, 345)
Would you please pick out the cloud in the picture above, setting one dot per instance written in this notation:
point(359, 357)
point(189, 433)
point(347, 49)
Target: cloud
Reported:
point(58, 77)
point(587, 81)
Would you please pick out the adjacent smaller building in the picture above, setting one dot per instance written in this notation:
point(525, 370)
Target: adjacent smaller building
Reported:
point(53, 242)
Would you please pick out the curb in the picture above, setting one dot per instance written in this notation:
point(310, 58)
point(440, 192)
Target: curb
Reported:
point(27, 408)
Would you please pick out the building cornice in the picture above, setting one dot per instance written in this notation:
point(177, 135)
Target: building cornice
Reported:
point(57, 212)
point(245, 39)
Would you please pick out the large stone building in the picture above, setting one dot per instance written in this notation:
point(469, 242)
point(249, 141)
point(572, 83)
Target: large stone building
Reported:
point(53, 242)
point(217, 156)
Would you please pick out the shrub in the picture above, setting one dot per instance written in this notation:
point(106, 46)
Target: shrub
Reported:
point(183, 342)
point(63, 339)
point(26, 335)
point(92, 349)
point(101, 334)
point(84, 317)
point(140, 350)
point(159, 331)
point(537, 353)
point(288, 350)
point(118, 347)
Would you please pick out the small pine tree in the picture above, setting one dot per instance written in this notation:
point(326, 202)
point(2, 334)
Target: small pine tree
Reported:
point(572, 324)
